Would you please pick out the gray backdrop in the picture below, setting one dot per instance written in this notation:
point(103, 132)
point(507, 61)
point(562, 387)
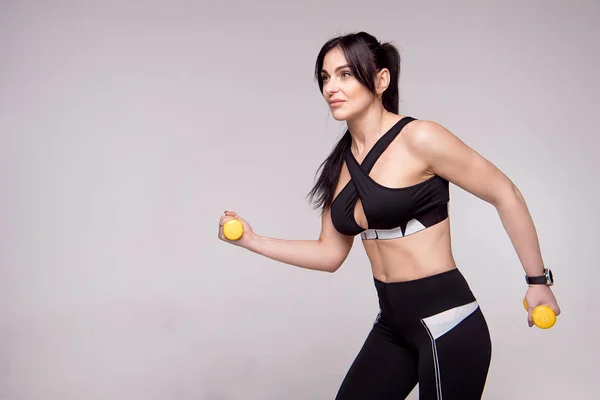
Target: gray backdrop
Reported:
point(127, 128)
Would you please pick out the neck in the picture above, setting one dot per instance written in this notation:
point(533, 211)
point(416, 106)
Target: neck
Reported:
point(367, 128)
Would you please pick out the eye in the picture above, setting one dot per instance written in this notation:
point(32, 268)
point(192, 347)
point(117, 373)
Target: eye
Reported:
point(346, 74)
point(324, 77)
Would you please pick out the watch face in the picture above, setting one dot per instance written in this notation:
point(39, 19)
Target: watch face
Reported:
point(549, 277)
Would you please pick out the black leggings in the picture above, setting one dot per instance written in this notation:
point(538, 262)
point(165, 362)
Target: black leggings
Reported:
point(430, 331)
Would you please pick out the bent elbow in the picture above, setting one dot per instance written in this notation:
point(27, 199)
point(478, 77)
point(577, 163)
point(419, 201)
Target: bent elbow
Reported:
point(333, 265)
point(509, 196)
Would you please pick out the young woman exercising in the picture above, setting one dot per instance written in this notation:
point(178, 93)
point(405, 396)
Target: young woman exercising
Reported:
point(387, 180)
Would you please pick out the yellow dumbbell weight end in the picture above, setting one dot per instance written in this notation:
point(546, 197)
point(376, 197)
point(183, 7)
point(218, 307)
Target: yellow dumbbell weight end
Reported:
point(543, 316)
point(233, 229)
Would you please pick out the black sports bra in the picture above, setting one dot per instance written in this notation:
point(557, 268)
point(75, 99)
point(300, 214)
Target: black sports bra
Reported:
point(390, 212)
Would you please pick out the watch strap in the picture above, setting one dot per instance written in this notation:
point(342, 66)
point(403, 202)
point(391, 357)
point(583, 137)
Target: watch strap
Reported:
point(536, 280)
point(546, 279)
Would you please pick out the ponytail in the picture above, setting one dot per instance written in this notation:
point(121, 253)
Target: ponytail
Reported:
point(391, 96)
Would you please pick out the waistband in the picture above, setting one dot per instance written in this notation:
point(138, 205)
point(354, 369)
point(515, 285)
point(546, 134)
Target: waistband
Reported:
point(420, 298)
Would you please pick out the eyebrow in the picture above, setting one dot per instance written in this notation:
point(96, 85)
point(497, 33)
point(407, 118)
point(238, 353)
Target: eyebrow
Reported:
point(337, 69)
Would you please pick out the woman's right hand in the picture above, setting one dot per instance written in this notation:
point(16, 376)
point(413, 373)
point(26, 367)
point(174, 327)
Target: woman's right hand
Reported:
point(247, 235)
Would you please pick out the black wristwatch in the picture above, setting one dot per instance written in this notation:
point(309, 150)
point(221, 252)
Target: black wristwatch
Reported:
point(546, 279)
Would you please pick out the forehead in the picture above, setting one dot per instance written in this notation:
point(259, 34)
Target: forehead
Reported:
point(333, 59)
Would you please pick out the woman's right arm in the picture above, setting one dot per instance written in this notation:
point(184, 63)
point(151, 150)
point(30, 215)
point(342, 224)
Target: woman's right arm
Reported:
point(324, 254)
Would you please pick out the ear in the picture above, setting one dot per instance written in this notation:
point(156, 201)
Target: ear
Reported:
point(382, 81)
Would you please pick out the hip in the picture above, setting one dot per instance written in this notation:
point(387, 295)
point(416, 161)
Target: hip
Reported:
point(408, 302)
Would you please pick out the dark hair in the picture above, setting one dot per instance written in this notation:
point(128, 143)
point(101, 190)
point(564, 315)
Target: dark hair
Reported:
point(365, 56)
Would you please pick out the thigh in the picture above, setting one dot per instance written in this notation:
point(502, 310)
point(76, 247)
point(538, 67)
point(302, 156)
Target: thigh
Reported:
point(453, 364)
point(383, 369)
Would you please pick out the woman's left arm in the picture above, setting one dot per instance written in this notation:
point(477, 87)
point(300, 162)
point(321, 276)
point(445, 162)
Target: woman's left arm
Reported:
point(447, 156)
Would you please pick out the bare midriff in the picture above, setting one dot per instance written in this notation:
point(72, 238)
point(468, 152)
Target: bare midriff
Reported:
point(424, 253)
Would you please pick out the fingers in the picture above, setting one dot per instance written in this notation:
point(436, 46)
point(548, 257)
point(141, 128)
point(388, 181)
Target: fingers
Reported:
point(228, 215)
point(224, 219)
point(538, 295)
point(529, 309)
point(554, 305)
point(529, 315)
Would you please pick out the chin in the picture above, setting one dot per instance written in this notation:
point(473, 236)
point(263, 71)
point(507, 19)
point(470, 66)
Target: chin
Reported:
point(340, 115)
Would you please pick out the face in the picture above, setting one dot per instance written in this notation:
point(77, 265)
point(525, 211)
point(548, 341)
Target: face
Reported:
point(346, 96)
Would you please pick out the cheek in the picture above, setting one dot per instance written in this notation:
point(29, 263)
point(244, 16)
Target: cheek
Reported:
point(359, 94)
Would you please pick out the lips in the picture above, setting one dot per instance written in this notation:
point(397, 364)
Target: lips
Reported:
point(334, 102)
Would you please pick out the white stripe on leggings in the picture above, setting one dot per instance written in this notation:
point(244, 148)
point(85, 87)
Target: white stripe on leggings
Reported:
point(436, 364)
point(439, 324)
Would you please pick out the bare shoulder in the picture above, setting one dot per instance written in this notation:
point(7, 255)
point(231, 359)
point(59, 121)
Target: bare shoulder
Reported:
point(429, 140)
point(446, 155)
point(423, 135)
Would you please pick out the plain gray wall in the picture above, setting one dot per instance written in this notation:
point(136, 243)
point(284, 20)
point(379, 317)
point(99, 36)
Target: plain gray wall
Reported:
point(127, 128)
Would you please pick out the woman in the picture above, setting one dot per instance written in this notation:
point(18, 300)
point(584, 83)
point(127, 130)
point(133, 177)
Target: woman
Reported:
point(387, 179)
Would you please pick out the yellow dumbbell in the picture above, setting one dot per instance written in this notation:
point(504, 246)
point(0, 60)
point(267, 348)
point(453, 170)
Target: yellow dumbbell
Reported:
point(233, 229)
point(543, 316)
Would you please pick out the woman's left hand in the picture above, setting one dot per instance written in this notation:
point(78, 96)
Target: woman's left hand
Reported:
point(538, 295)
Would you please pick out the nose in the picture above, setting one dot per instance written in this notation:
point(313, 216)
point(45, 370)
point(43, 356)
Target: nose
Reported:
point(330, 88)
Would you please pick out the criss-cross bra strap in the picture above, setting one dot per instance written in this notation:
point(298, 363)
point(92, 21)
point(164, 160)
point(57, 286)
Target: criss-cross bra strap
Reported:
point(359, 172)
